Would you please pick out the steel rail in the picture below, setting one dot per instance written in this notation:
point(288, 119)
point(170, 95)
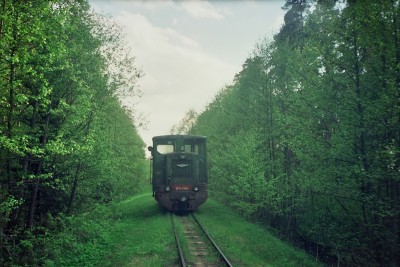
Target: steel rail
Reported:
point(223, 257)
point(178, 243)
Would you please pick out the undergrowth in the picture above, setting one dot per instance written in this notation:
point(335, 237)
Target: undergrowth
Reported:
point(248, 244)
point(136, 232)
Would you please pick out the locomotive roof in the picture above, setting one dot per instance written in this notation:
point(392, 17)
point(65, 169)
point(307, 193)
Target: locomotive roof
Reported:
point(179, 136)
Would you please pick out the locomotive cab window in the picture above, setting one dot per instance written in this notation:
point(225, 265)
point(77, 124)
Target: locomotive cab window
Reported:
point(191, 148)
point(165, 148)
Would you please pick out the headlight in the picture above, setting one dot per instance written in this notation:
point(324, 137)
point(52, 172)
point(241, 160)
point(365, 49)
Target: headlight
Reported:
point(167, 189)
point(195, 188)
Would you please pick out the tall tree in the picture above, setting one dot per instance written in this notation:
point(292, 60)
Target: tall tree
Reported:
point(184, 126)
point(323, 100)
point(57, 92)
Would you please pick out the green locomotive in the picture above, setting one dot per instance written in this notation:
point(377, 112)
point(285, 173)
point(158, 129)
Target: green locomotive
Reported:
point(179, 171)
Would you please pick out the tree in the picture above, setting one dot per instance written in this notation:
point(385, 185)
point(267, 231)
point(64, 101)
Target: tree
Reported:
point(57, 93)
point(325, 112)
point(187, 122)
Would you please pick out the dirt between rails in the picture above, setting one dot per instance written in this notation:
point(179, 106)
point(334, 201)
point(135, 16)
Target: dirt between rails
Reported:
point(200, 250)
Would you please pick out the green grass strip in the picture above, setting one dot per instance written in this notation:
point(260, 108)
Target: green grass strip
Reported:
point(247, 244)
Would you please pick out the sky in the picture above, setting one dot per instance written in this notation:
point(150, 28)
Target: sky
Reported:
point(188, 50)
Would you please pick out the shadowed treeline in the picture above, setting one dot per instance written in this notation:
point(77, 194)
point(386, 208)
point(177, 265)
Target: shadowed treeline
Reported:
point(307, 138)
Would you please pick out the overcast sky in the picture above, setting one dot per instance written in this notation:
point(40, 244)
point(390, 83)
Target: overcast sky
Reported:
point(188, 50)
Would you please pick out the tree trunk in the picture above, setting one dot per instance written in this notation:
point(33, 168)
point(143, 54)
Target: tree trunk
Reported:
point(78, 168)
point(10, 123)
point(33, 203)
point(1, 21)
point(74, 186)
point(32, 209)
point(395, 187)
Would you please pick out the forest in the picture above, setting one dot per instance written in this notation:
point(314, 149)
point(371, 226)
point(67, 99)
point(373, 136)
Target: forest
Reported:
point(66, 141)
point(306, 140)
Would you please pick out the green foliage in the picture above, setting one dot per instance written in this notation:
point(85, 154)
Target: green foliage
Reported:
point(240, 173)
point(131, 232)
point(116, 166)
point(66, 141)
point(183, 127)
point(247, 244)
point(306, 139)
point(136, 232)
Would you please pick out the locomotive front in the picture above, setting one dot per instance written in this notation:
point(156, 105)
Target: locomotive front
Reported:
point(179, 171)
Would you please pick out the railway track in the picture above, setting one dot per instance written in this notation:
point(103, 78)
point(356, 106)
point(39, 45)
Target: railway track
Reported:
point(200, 249)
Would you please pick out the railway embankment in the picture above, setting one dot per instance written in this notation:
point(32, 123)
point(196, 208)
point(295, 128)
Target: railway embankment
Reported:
point(136, 232)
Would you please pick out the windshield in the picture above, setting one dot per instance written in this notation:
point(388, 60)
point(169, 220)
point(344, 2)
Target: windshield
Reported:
point(192, 148)
point(165, 148)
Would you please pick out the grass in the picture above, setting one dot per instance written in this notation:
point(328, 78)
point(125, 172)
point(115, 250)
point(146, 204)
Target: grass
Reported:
point(151, 243)
point(144, 234)
point(247, 244)
point(136, 232)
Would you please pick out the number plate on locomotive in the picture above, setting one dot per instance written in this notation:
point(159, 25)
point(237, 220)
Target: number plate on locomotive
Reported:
point(182, 188)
